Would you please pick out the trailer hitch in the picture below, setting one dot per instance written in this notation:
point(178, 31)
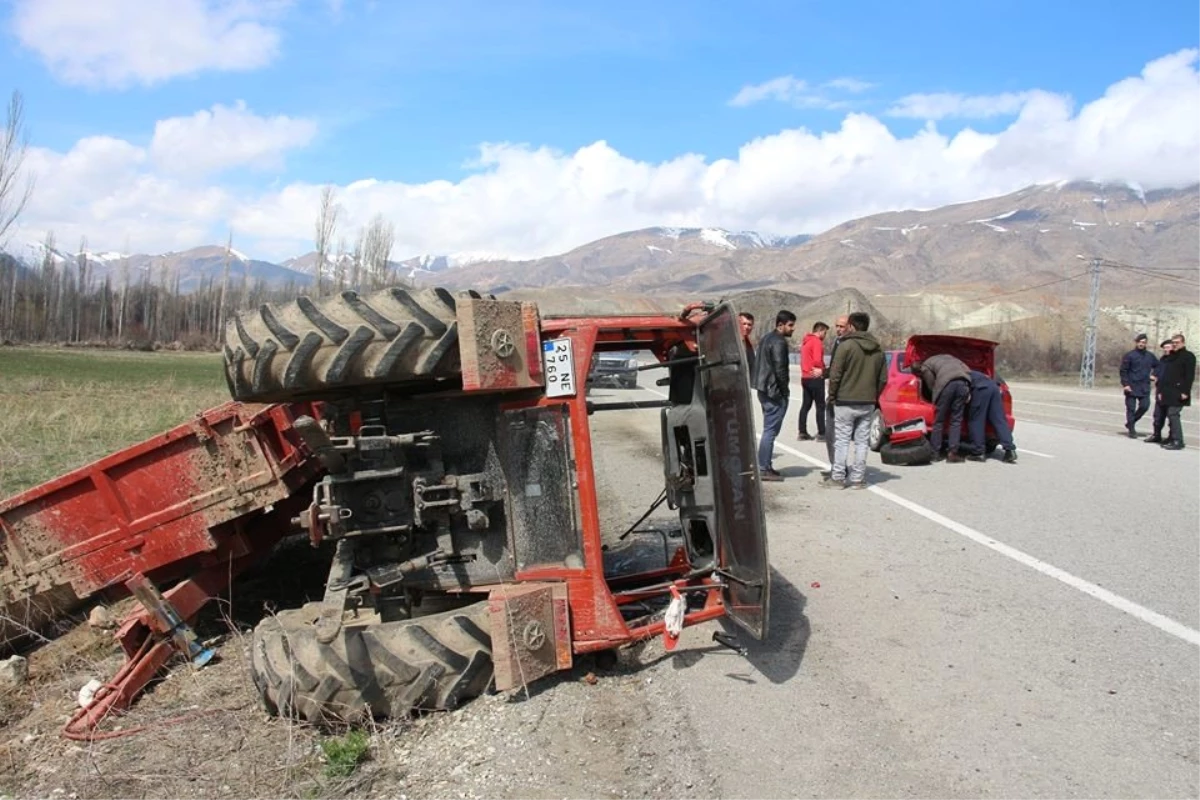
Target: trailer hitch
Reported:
point(163, 631)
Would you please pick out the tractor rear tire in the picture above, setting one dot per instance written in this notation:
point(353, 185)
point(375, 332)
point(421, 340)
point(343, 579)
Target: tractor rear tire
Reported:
point(372, 671)
point(279, 353)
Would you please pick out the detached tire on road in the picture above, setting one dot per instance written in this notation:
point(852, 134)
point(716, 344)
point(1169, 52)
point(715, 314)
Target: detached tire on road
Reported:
point(386, 669)
point(909, 454)
point(291, 350)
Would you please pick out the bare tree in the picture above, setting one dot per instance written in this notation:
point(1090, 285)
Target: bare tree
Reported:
point(340, 266)
point(224, 285)
point(15, 190)
point(378, 241)
point(327, 218)
point(356, 260)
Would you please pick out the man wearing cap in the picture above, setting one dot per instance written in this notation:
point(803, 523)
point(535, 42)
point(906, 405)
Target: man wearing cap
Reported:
point(1160, 410)
point(1136, 368)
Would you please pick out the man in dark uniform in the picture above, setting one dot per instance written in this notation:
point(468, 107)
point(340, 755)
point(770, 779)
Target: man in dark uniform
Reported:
point(987, 407)
point(1136, 367)
point(1175, 389)
point(1160, 411)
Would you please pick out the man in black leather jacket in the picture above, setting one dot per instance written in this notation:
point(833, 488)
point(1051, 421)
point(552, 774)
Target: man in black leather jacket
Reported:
point(771, 381)
point(1175, 388)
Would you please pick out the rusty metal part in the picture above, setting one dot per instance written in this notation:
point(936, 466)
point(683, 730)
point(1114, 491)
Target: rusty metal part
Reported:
point(163, 507)
point(531, 634)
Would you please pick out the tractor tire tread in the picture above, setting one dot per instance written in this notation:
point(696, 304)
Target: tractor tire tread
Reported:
point(290, 351)
point(379, 670)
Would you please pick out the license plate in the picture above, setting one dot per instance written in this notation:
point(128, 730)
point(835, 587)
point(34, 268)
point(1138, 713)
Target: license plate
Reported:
point(910, 425)
point(559, 361)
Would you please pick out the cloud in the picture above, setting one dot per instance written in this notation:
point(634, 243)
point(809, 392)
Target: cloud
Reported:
point(120, 43)
point(224, 137)
point(947, 105)
point(524, 201)
point(798, 93)
point(852, 85)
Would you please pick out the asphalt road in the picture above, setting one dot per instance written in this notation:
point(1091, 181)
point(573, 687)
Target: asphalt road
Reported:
point(957, 630)
point(1100, 410)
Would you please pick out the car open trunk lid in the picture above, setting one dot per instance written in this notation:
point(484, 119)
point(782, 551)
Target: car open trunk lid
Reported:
point(977, 354)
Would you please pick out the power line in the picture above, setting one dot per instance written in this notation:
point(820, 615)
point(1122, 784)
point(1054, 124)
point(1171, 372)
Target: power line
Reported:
point(1151, 274)
point(985, 298)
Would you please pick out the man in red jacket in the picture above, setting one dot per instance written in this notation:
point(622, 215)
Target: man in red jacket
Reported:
point(812, 379)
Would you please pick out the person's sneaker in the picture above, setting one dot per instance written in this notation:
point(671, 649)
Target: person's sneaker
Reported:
point(938, 457)
point(980, 457)
point(820, 437)
point(772, 476)
point(857, 485)
point(954, 458)
point(804, 437)
point(1131, 432)
point(830, 483)
point(1154, 440)
point(1172, 446)
point(1010, 456)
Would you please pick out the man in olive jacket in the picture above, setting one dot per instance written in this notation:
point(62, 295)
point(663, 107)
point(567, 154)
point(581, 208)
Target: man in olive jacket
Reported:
point(771, 381)
point(856, 379)
point(1175, 388)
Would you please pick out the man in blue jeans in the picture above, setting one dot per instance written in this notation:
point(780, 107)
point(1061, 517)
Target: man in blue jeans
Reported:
point(771, 381)
point(987, 408)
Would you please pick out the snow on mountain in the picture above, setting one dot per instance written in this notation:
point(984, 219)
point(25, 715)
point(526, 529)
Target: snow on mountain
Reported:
point(717, 237)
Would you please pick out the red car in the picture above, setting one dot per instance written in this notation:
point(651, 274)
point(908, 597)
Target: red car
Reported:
point(901, 424)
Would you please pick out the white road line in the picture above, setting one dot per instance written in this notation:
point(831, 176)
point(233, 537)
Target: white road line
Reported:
point(1025, 450)
point(1029, 387)
point(1163, 623)
point(1069, 408)
point(1159, 621)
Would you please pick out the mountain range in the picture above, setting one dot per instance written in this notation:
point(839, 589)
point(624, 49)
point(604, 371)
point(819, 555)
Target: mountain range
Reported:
point(1040, 234)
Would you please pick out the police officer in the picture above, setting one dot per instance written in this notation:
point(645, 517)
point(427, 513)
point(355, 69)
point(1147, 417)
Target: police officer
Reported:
point(1136, 368)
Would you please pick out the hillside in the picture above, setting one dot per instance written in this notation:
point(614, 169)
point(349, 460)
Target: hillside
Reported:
point(1031, 236)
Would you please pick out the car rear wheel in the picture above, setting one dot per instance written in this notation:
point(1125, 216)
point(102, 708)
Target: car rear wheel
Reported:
point(909, 454)
point(876, 437)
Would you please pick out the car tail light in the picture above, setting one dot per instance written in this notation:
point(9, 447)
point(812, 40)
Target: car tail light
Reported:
point(908, 392)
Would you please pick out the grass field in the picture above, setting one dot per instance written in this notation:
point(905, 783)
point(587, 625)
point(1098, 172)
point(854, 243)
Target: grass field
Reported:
point(61, 409)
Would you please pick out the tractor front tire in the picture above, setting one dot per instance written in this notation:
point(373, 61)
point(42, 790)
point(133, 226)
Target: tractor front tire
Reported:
point(284, 352)
point(372, 671)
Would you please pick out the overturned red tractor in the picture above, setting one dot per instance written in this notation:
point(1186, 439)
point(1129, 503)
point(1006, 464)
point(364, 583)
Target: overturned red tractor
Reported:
point(445, 457)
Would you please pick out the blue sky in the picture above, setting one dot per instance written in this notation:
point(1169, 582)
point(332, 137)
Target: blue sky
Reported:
point(405, 94)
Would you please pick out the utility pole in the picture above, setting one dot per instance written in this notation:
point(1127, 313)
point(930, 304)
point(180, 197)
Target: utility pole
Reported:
point(1087, 370)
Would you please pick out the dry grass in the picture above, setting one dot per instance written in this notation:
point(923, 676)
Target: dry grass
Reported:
point(62, 409)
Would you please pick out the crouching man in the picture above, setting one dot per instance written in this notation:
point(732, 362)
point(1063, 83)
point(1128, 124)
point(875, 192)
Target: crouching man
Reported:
point(856, 379)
